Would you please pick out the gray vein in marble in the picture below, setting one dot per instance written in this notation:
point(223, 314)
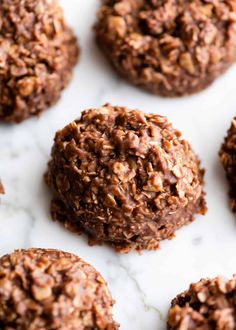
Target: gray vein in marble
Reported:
point(12, 153)
point(197, 241)
point(41, 149)
point(29, 214)
point(147, 307)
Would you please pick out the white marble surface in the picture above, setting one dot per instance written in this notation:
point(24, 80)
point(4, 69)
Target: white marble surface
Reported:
point(143, 286)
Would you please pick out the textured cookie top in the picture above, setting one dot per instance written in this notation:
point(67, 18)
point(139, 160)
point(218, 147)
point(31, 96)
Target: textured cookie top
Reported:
point(37, 53)
point(50, 289)
point(228, 160)
point(128, 155)
point(170, 47)
point(120, 171)
point(28, 20)
point(208, 304)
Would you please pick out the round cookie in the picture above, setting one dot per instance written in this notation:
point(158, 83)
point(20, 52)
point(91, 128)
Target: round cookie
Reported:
point(209, 304)
point(50, 289)
point(228, 160)
point(170, 48)
point(124, 177)
point(37, 54)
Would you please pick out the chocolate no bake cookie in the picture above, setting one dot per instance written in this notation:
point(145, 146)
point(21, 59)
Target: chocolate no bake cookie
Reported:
point(50, 289)
point(37, 54)
point(1, 188)
point(209, 304)
point(171, 47)
point(228, 160)
point(124, 177)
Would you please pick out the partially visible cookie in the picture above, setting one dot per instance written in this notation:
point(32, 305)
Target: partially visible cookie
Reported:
point(228, 160)
point(37, 53)
point(170, 48)
point(207, 305)
point(2, 191)
point(50, 289)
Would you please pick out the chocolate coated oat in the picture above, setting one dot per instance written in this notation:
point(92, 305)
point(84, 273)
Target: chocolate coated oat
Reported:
point(124, 177)
point(52, 290)
point(171, 47)
point(37, 54)
point(207, 305)
point(228, 160)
